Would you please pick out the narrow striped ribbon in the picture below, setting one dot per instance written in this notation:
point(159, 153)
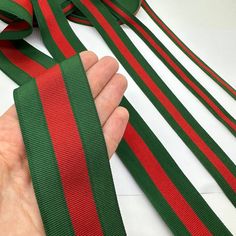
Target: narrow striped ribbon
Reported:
point(131, 5)
point(170, 192)
point(56, 32)
point(161, 181)
point(229, 89)
point(172, 63)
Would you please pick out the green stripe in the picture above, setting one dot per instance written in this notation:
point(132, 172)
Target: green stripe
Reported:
point(159, 25)
point(42, 162)
point(65, 27)
point(94, 146)
point(30, 51)
point(188, 117)
point(14, 35)
point(46, 36)
point(181, 182)
point(186, 72)
point(8, 15)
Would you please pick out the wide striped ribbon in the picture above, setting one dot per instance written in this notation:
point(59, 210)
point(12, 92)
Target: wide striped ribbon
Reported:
point(212, 74)
point(171, 193)
point(65, 147)
point(143, 167)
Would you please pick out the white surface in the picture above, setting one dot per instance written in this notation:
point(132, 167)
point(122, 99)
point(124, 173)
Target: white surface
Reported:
point(209, 28)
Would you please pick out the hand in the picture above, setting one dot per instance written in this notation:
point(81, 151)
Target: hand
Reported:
point(19, 213)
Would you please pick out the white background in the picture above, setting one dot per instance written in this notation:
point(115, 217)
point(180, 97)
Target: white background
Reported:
point(208, 27)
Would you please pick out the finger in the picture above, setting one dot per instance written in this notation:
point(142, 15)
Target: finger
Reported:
point(114, 129)
point(88, 59)
point(110, 97)
point(100, 73)
point(97, 77)
point(10, 113)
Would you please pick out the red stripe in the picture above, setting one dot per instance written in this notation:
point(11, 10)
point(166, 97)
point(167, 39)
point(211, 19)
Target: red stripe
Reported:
point(78, 20)
point(84, 22)
point(172, 64)
point(55, 31)
point(17, 26)
point(164, 184)
point(69, 153)
point(186, 49)
point(8, 20)
point(68, 8)
point(26, 4)
point(20, 60)
point(212, 157)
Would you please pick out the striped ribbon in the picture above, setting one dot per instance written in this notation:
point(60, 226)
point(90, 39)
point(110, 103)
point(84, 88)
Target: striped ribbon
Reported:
point(172, 63)
point(229, 89)
point(148, 161)
point(65, 145)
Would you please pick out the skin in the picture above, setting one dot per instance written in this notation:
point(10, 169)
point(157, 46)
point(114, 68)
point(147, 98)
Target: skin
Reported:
point(19, 213)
